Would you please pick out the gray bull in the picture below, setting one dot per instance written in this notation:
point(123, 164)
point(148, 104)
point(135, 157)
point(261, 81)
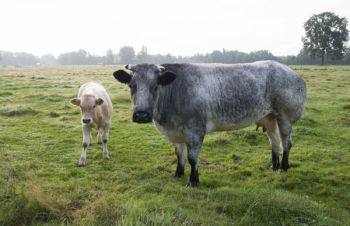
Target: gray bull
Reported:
point(186, 101)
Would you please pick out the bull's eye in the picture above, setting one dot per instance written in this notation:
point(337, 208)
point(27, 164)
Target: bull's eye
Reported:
point(132, 86)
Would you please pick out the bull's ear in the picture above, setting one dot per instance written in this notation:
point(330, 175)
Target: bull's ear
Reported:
point(99, 101)
point(165, 78)
point(75, 101)
point(122, 76)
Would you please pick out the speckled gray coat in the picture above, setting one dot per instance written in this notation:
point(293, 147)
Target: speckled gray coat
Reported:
point(216, 97)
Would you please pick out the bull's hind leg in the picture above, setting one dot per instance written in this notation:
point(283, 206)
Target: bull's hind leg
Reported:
point(285, 127)
point(269, 123)
point(180, 153)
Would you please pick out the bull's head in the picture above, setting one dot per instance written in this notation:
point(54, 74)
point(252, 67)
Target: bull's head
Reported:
point(144, 80)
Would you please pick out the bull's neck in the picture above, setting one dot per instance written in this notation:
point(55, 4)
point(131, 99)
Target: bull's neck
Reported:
point(162, 105)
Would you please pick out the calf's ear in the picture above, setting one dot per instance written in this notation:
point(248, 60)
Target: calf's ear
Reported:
point(166, 78)
point(75, 101)
point(99, 101)
point(122, 76)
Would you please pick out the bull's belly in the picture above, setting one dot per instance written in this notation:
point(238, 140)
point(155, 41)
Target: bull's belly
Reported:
point(223, 124)
point(212, 124)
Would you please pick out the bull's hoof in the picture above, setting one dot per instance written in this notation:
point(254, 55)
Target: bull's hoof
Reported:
point(192, 184)
point(284, 168)
point(99, 142)
point(178, 175)
point(275, 166)
point(180, 171)
point(106, 157)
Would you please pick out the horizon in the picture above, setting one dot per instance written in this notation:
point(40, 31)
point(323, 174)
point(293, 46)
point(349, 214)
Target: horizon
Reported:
point(58, 27)
point(136, 52)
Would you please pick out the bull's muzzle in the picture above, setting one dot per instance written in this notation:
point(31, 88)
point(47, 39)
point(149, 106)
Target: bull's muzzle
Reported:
point(142, 117)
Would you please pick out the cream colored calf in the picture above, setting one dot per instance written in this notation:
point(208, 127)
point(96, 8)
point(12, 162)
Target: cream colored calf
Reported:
point(96, 109)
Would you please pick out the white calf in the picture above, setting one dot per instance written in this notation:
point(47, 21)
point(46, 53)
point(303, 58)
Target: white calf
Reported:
point(96, 109)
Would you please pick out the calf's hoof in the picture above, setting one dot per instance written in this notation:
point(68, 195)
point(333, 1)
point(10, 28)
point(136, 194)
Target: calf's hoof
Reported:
point(105, 156)
point(81, 164)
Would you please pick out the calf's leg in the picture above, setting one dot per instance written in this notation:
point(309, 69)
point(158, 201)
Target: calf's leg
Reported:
point(105, 140)
point(99, 136)
point(86, 141)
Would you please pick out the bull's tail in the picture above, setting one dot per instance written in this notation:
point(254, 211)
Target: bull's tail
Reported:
point(270, 125)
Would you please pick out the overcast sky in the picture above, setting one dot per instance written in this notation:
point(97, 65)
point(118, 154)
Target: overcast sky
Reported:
point(179, 27)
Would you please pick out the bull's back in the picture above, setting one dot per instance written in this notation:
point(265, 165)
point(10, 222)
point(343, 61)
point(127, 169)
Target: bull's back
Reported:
point(238, 96)
point(233, 96)
point(224, 96)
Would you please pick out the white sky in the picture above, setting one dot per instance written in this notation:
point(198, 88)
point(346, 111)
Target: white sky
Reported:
point(179, 27)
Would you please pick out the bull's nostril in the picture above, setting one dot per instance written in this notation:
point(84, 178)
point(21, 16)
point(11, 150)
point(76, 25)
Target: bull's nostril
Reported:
point(142, 114)
point(142, 117)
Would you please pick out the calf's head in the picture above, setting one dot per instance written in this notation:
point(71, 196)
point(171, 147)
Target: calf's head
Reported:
point(87, 104)
point(144, 81)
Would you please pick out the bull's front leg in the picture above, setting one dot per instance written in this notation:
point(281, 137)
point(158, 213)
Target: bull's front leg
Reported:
point(194, 144)
point(180, 153)
point(105, 140)
point(86, 142)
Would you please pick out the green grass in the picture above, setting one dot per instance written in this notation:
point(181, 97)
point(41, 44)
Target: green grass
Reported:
point(40, 144)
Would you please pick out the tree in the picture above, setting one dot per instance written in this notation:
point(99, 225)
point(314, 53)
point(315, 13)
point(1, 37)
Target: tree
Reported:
point(127, 54)
point(143, 56)
point(48, 60)
point(109, 57)
point(325, 35)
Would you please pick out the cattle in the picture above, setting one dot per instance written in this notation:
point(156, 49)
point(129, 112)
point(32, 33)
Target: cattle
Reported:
point(186, 101)
point(96, 109)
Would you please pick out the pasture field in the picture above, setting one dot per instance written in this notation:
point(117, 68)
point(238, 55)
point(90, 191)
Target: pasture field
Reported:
point(40, 144)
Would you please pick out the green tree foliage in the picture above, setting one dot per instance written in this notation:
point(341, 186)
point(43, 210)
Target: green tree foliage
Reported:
point(325, 36)
point(127, 54)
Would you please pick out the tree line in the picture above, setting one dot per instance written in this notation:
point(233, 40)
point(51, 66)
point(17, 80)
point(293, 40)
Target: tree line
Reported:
point(127, 55)
point(324, 42)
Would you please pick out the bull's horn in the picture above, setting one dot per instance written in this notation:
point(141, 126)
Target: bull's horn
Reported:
point(161, 68)
point(128, 66)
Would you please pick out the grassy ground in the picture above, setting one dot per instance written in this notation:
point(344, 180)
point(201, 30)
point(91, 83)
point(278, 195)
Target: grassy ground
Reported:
point(40, 144)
